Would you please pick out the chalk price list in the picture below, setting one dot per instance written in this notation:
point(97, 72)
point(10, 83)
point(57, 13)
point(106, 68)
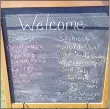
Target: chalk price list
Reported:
point(76, 59)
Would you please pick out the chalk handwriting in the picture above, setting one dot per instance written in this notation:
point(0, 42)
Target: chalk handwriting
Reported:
point(76, 25)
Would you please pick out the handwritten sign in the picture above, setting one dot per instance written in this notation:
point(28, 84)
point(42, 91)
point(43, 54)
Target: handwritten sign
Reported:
point(56, 55)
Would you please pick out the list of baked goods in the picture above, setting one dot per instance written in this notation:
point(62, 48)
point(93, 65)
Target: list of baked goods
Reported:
point(56, 57)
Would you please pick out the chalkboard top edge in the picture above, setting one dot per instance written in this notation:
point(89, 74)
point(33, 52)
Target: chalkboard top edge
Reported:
point(62, 7)
point(54, 3)
point(37, 10)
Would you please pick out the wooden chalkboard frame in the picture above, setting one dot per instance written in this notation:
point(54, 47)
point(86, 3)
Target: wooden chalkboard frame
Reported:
point(14, 4)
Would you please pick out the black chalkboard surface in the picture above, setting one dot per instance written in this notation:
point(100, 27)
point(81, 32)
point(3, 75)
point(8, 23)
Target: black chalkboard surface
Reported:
point(56, 55)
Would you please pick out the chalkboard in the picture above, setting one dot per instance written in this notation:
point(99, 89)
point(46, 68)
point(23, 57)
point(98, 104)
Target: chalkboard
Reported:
point(56, 55)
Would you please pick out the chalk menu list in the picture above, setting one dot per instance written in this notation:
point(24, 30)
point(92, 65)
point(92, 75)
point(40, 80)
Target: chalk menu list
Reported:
point(56, 55)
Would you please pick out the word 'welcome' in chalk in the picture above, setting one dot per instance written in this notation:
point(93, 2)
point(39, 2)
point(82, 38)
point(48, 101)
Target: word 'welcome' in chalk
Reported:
point(61, 25)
